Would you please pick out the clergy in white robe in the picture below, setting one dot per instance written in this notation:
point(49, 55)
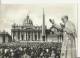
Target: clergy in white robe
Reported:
point(68, 49)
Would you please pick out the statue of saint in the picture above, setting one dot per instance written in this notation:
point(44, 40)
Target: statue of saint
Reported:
point(68, 49)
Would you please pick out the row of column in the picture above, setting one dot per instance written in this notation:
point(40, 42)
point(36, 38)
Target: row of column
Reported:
point(26, 36)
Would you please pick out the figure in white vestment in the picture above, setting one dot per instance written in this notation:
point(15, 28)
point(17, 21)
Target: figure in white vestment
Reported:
point(68, 49)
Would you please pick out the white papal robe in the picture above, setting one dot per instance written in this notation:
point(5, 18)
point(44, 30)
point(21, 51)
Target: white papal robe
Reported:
point(68, 49)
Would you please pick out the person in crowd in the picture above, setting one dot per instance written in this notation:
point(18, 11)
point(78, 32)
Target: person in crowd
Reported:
point(11, 53)
point(17, 53)
point(52, 54)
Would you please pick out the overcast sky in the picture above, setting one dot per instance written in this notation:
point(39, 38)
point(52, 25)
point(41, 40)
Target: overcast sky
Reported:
point(15, 11)
point(11, 14)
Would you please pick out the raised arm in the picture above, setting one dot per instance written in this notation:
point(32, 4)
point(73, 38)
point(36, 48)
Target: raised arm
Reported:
point(54, 25)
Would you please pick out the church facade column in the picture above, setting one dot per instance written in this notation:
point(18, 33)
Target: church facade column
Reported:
point(41, 39)
point(16, 36)
point(20, 36)
point(30, 37)
point(27, 36)
point(33, 36)
point(12, 34)
point(24, 35)
point(37, 36)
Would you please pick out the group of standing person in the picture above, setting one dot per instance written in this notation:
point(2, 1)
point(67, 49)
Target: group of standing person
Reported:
point(29, 52)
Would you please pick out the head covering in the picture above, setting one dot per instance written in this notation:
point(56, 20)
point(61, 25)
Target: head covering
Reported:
point(65, 17)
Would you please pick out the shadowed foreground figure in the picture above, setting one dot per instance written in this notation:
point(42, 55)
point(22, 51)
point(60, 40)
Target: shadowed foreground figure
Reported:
point(68, 49)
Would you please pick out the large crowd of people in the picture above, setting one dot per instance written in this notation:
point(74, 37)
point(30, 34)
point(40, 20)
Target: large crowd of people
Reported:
point(30, 52)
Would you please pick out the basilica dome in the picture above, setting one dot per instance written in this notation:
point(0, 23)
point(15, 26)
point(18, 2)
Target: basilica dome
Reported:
point(27, 21)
